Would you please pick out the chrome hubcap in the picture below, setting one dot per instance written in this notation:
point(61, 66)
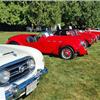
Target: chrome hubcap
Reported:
point(66, 53)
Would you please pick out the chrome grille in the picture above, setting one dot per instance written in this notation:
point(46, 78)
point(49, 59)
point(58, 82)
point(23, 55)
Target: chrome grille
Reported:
point(18, 69)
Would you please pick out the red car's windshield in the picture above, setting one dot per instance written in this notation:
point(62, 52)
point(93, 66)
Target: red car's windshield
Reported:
point(66, 32)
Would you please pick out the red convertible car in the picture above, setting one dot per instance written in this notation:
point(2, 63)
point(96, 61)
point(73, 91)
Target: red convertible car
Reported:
point(88, 38)
point(94, 31)
point(65, 47)
point(93, 36)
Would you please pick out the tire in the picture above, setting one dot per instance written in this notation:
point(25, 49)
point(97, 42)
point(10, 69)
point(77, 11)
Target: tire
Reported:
point(67, 53)
point(13, 42)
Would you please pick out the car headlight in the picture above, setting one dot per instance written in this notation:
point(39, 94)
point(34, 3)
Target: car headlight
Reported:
point(31, 64)
point(83, 43)
point(4, 76)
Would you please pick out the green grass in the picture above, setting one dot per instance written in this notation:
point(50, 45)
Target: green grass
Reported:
point(76, 79)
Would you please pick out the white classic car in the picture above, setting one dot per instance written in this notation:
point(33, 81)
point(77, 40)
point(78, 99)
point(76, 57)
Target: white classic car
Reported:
point(20, 70)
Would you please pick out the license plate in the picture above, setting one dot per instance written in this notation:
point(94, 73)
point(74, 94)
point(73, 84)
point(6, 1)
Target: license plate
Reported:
point(31, 87)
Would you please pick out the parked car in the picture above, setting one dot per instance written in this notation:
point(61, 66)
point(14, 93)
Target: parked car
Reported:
point(64, 47)
point(94, 31)
point(76, 34)
point(20, 70)
point(93, 36)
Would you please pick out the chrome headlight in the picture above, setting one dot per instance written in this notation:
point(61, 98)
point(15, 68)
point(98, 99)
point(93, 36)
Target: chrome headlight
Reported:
point(31, 64)
point(83, 43)
point(4, 76)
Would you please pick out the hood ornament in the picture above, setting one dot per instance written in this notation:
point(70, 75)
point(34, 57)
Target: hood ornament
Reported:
point(12, 52)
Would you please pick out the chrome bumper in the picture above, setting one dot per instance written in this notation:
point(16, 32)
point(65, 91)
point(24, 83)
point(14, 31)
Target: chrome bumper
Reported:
point(19, 90)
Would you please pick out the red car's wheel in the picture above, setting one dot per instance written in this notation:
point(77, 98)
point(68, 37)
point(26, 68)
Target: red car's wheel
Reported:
point(67, 53)
point(13, 42)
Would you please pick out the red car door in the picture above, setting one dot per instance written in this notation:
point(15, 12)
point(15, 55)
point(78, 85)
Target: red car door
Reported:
point(41, 44)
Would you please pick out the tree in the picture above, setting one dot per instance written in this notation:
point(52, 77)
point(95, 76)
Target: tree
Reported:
point(90, 13)
point(48, 13)
point(44, 13)
point(3, 12)
point(70, 12)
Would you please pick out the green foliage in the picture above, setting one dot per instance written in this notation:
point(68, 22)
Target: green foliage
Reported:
point(90, 11)
point(44, 13)
point(70, 11)
point(13, 13)
point(3, 13)
point(49, 13)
